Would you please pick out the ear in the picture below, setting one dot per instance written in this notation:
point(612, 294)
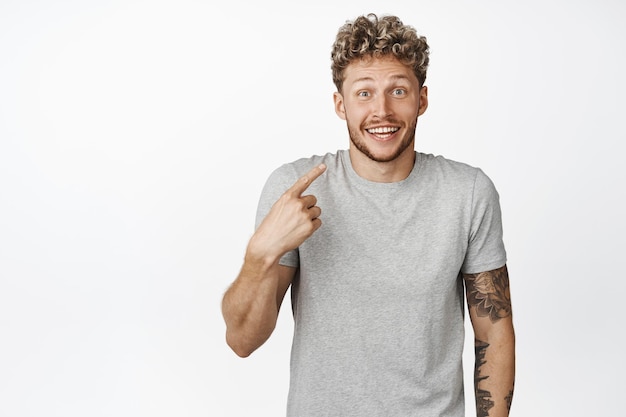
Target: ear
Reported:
point(423, 104)
point(340, 109)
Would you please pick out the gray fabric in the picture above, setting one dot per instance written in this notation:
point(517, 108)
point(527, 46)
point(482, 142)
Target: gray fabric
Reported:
point(378, 299)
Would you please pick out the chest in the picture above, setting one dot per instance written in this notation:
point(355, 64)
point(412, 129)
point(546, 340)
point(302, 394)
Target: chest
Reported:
point(404, 242)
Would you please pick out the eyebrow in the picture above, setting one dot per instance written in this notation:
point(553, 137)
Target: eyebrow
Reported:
point(393, 78)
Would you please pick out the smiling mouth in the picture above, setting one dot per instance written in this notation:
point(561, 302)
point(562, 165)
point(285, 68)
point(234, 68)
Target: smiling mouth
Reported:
point(382, 132)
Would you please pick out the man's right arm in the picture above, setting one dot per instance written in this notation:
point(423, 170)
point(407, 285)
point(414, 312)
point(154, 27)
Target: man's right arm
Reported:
point(250, 306)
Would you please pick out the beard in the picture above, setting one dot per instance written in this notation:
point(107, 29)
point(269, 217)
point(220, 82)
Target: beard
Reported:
point(357, 140)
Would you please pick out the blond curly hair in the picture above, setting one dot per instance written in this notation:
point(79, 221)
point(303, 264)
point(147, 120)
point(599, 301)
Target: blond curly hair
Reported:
point(371, 36)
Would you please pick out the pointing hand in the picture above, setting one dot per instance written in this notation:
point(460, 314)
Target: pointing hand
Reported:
point(291, 220)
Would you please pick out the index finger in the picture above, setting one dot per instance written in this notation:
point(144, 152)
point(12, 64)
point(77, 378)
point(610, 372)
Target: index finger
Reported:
point(303, 183)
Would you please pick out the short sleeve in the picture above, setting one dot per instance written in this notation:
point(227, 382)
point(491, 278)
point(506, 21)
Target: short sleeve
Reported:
point(485, 250)
point(277, 183)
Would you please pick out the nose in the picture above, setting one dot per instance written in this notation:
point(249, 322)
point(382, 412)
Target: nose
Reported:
point(381, 106)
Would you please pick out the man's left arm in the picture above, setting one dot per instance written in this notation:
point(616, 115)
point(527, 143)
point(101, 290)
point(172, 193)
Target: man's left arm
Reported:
point(489, 303)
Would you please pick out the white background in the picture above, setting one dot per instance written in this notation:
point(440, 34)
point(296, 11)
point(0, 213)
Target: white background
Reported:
point(135, 137)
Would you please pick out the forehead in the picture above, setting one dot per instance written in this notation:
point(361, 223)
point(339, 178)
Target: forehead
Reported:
point(378, 69)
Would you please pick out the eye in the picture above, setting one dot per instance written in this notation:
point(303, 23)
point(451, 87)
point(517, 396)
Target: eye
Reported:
point(363, 94)
point(398, 92)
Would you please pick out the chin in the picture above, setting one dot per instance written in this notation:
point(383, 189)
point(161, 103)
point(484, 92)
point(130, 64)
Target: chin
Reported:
point(388, 156)
point(385, 155)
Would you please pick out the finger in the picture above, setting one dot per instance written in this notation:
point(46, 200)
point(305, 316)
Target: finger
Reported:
point(303, 183)
point(308, 200)
point(317, 223)
point(315, 212)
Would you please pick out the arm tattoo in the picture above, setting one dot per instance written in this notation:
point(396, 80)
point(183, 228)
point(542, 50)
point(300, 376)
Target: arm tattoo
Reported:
point(509, 400)
point(489, 293)
point(483, 397)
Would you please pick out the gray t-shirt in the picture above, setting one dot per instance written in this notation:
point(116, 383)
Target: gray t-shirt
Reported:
point(378, 297)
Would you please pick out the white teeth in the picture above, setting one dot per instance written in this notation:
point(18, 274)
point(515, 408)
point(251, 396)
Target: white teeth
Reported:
point(383, 130)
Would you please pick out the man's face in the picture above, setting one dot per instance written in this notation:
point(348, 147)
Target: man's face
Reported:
point(380, 101)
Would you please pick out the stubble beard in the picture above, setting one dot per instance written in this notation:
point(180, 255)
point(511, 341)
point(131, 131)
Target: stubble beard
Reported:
point(358, 143)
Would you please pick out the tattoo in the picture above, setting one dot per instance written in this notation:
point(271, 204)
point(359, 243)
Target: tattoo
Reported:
point(489, 292)
point(483, 397)
point(509, 400)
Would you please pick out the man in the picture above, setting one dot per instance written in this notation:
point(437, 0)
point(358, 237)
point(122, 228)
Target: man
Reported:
point(377, 289)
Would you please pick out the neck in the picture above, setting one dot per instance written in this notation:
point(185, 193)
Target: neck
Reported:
point(392, 171)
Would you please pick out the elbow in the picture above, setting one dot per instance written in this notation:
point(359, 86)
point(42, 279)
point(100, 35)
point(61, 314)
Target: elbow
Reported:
point(238, 346)
point(241, 352)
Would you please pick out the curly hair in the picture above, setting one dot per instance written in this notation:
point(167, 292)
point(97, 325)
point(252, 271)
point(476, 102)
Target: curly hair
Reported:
point(370, 36)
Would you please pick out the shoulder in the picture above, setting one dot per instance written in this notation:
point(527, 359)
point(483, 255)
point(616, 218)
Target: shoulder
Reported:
point(452, 170)
point(443, 165)
point(291, 171)
point(286, 174)
point(459, 177)
point(303, 165)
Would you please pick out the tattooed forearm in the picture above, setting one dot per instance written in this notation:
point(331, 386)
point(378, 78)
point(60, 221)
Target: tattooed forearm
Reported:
point(489, 302)
point(483, 397)
point(509, 400)
point(489, 293)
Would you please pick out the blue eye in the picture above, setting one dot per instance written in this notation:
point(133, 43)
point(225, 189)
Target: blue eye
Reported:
point(363, 94)
point(399, 92)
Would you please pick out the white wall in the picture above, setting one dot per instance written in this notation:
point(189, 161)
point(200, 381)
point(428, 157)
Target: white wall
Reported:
point(135, 137)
